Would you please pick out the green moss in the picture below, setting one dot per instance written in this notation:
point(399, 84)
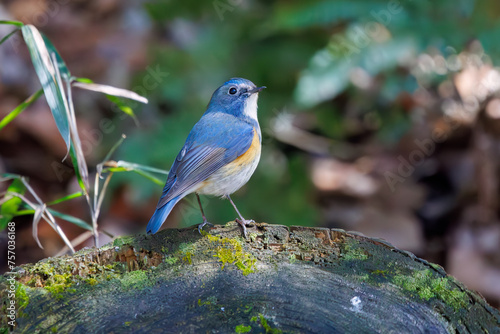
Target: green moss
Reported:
point(242, 329)
point(22, 298)
point(43, 268)
point(126, 240)
point(364, 278)
point(427, 286)
point(187, 251)
point(187, 258)
point(212, 300)
point(91, 281)
point(352, 251)
point(171, 260)
point(265, 325)
point(200, 303)
point(253, 236)
point(135, 280)
point(380, 272)
point(231, 251)
point(53, 329)
point(57, 284)
point(292, 258)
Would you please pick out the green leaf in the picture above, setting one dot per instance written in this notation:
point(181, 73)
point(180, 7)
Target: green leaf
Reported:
point(8, 36)
point(123, 107)
point(66, 198)
point(53, 74)
point(142, 173)
point(83, 80)
point(145, 171)
point(76, 151)
point(114, 148)
point(149, 177)
point(63, 69)
point(46, 71)
point(20, 108)
point(9, 208)
point(74, 161)
point(330, 69)
point(304, 14)
point(9, 176)
point(77, 221)
point(15, 23)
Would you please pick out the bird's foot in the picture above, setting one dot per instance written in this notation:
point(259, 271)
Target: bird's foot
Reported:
point(205, 222)
point(244, 223)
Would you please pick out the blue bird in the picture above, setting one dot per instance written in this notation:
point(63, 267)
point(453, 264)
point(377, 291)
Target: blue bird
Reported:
point(220, 154)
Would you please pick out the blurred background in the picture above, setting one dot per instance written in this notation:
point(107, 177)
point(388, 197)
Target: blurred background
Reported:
point(381, 117)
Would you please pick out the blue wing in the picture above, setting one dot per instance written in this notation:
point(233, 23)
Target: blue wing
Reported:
point(217, 139)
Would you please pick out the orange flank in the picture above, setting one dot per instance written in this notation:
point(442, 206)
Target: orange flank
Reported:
point(249, 156)
point(243, 166)
point(240, 165)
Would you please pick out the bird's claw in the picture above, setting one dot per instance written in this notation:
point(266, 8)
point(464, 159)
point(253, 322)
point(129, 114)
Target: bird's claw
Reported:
point(205, 222)
point(244, 223)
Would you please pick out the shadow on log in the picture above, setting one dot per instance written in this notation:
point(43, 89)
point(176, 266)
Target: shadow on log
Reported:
point(290, 280)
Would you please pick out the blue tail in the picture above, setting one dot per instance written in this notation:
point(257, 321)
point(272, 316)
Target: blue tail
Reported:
point(160, 215)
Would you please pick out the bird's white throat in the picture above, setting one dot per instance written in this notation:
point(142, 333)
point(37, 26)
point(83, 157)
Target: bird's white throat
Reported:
point(250, 108)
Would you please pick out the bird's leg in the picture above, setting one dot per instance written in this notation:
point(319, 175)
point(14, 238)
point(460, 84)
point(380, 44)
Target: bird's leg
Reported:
point(242, 221)
point(205, 221)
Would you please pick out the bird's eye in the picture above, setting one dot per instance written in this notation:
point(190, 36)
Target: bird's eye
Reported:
point(233, 91)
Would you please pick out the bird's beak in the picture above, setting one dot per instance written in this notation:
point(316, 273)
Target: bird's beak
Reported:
point(255, 90)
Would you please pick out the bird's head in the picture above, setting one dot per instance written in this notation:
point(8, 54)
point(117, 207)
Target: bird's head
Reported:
point(237, 96)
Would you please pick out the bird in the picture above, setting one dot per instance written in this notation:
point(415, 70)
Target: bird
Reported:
point(220, 154)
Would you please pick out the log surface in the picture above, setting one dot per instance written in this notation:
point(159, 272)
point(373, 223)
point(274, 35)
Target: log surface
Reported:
point(282, 279)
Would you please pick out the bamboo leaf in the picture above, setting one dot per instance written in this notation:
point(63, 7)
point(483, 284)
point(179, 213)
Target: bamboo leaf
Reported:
point(135, 166)
point(83, 80)
point(123, 107)
point(9, 208)
point(125, 166)
point(20, 108)
point(66, 198)
point(77, 151)
point(74, 161)
point(45, 69)
point(15, 23)
point(39, 209)
point(8, 36)
point(110, 90)
point(46, 215)
point(8, 176)
point(61, 65)
point(150, 177)
point(77, 221)
point(114, 148)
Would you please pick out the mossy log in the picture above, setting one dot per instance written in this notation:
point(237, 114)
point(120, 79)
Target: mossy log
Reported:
point(282, 279)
